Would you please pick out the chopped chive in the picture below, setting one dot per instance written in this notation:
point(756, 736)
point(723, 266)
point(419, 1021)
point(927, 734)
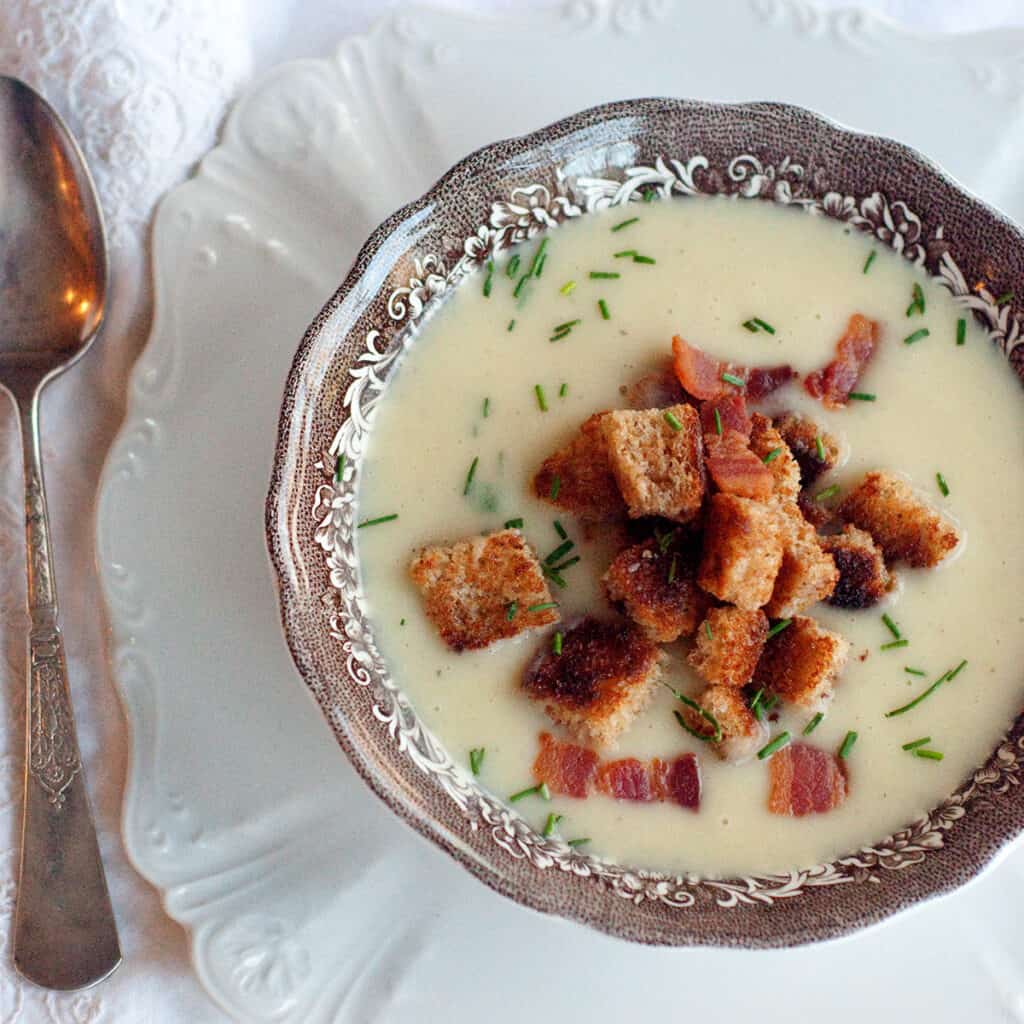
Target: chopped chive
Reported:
point(770, 701)
point(543, 792)
point(555, 576)
point(778, 627)
point(847, 745)
point(665, 540)
point(549, 825)
point(930, 755)
point(568, 325)
point(566, 564)
point(543, 606)
point(510, 612)
point(489, 279)
point(542, 402)
point(961, 331)
point(750, 326)
point(513, 265)
point(644, 259)
point(820, 447)
point(755, 704)
point(813, 724)
point(707, 630)
point(624, 223)
point(764, 326)
point(869, 260)
point(958, 670)
point(379, 519)
point(560, 552)
point(943, 486)
point(511, 324)
point(577, 842)
point(540, 266)
point(718, 423)
point(538, 258)
point(530, 791)
point(772, 455)
point(650, 195)
point(914, 671)
point(604, 275)
point(672, 567)
point(731, 378)
point(891, 626)
point(893, 644)
point(780, 741)
point(520, 285)
point(673, 420)
point(920, 697)
point(829, 492)
point(339, 468)
point(556, 486)
point(560, 530)
point(476, 759)
point(862, 396)
point(716, 737)
point(556, 643)
point(567, 288)
point(914, 744)
point(561, 335)
point(470, 475)
point(563, 390)
point(1004, 298)
point(603, 307)
point(624, 253)
point(514, 524)
point(917, 303)
point(487, 407)
point(922, 332)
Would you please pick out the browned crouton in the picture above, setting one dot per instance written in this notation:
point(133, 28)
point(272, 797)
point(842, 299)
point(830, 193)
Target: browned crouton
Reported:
point(578, 477)
point(656, 457)
point(807, 574)
point(656, 585)
point(902, 524)
point(863, 578)
point(604, 675)
point(817, 513)
point(802, 662)
point(742, 551)
point(802, 435)
point(742, 734)
point(656, 390)
point(767, 443)
point(729, 644)
point(471, 587)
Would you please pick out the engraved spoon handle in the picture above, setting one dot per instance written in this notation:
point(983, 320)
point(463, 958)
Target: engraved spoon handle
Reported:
point(65, 936)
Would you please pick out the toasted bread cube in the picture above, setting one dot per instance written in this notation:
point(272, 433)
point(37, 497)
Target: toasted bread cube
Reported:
point(742, 734)
point(801, 663)
point(742, 551)
point(579, 478)
point(603, 678)
point(817, 513)
point(765, 442)
point(902, 524)
point(469, 588)
point(656, 586)
point(863, 577)
point(807, 574)
point(729, 645)
point(801, 434)
point(659, 468)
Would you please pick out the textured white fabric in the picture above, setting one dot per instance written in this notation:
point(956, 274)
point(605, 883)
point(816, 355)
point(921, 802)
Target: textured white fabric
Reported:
point(144, 84)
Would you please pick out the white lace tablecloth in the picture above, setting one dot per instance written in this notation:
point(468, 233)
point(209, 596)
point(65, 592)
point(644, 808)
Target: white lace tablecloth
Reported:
point(144, 84)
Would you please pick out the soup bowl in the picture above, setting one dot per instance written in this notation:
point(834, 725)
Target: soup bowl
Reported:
point(498, 197)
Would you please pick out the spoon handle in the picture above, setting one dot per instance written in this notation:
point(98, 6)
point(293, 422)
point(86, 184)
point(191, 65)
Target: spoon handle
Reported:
point(65, 936)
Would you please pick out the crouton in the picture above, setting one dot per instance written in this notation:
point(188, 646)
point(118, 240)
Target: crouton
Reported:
point(470, 588)
point(768, 444)
point(807, 574)
point(578, 477)
point(802, 662)
point(603, 677)
point(802, 434)
point(863, 577)
point(657, 390)
point(817, 513)
point(655, 583)
point(902, 524)
point(742, 551)
point(656, 457)
point(742, 734)
point(729, 644)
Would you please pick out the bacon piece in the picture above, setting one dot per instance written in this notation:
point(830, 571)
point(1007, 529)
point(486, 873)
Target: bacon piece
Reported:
point(805, 780)
point(565, 767)
point(834, 382)
point(735, 469)
point(701, 374)
point(682, 781)
point(732, 411)
point(625, 779)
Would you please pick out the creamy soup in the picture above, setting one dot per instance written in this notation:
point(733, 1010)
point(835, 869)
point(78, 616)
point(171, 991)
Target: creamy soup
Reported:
point(939, 408)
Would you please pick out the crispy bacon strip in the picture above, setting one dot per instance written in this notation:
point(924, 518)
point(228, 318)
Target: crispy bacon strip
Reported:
point(834, 382)
point(732, 412)
point(701, 374)
point(735, 469)
point(575, 771)
point(805, 780)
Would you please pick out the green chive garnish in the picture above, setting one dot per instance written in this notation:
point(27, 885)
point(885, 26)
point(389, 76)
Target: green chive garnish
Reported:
point(917, 303)
point(603, 307)
point(542, 607)
point(755, 704)
point(673, 420)
point(470, 475)
point(540, 266)
point(917, 700)
point(772, 455)
point(556, 643)
point(1004, 298)
point(379, 519)
point(339, 468)
point(401, 622)
point(779, 627)
point(555, 577)
point(560, 552)
point(624, 253)
point(703, 712)
point(770, 701)
point(513, 265)
point(511, 324)
point(961, 331)
point(893, 644)
point(520, 285)
point(566, 564)
point(764, 326)
point(943, 486)
point(914, 744)
point(930, 755)
point(549, 825)
point(577, 842)
point(567, 288)
point(625, 223)
point(650, 195)
point(869, 260)
point(862, 396)
point(514, 524)
point(563, 390)
point(538, 258)
point(542, 402)
point(672, 567)
point(813, 723)
point(530, 791)
point(780, 741)
point(829, 492)
point(923, 332)
point(750, 326)
point(914, 671)
point(510, 612)
point(488, 279)
point(707, 630)
point(561, 335)
point(556, 486)
point(847, 746)
point(731, 378)
point(958, 670)
point(476, 759)
point(891, 626)
point(718, 423)
point(560, 530)
point(644, 259)
point(820, 446)
point(567, 326)
point(604, 275)
point(487, 407)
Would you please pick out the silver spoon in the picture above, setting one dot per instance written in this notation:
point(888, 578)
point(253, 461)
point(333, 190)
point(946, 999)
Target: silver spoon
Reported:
point(53, 279)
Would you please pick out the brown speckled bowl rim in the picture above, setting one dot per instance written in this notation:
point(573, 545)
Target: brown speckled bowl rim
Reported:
point(832, 161)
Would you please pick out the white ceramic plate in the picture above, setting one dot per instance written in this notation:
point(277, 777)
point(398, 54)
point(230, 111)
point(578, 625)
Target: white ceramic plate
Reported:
point(307, 900)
